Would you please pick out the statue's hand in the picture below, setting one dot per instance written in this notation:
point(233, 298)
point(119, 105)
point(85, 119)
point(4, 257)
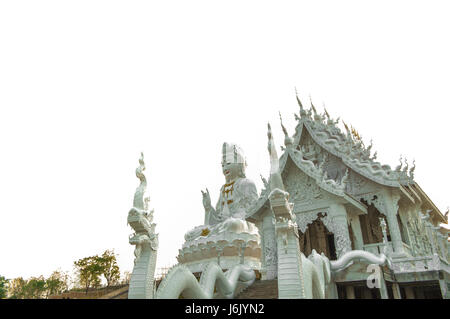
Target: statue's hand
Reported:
point(206, 200)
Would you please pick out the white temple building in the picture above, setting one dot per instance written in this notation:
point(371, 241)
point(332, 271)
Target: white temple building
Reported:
point(332, 222)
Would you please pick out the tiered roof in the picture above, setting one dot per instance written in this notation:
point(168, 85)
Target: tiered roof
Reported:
point(350, 148)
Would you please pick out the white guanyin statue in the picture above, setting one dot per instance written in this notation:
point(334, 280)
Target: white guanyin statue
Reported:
point(237, 195)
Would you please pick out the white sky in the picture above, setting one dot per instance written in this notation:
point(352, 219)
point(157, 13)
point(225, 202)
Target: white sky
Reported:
point(85, 86)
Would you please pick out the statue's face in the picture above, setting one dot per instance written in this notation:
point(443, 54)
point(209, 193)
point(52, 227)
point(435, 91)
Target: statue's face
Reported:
point(231, 171)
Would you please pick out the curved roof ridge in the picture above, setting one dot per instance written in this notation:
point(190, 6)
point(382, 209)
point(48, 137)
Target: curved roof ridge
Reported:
point(353, 154)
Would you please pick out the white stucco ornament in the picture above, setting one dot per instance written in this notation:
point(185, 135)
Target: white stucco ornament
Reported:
point(144, 239)
point(226, 236)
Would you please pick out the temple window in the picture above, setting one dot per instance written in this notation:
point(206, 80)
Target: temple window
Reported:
point(319, 238)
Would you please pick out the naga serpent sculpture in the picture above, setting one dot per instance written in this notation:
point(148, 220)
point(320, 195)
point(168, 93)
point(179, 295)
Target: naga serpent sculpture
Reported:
point(181, 282)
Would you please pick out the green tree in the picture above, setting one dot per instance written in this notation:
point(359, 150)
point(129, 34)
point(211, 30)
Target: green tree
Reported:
point(35, 288)
point(3, 287)
point(57, 283)
point(88, 271)
point(110, 269)
point(17, 288)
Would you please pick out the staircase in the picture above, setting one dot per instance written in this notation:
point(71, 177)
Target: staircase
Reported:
point(121, 293)
point(261, 289)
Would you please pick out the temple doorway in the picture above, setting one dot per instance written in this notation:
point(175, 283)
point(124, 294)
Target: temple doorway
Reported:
point(319, 238)
point(371, 228)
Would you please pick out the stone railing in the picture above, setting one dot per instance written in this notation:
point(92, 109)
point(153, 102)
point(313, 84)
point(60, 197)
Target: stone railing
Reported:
point(377, 248)
point(420, 264)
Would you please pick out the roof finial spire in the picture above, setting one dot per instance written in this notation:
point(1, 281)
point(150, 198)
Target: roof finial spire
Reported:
point(413, 168)
point(317, 116)
point(282, 126)
point(374, 157)
point(326, 113)
point(312, 106)
point(345, 125)
point(275, 180)
point(287, 140)
point(349, 135)
point(405, 169)
point(399, 167)
point(302, 110)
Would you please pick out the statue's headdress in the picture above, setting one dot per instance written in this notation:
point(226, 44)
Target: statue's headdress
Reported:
point(233, 154)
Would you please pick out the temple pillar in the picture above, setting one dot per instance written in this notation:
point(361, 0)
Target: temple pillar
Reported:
point(396, 291)
point(383, 288)
point(391, 205)
point(337, 223)
point(356, 227)
point(269, 249)
point(350, 292)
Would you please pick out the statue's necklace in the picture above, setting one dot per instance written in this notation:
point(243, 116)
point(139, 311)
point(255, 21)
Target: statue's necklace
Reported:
point(228, 192)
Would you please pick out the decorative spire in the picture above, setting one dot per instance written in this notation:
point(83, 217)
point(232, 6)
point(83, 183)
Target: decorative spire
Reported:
point(329, 119)
point(326, 113)
point(356, 134)
point(138, 201)
point(369, 148)
point(317, 116)
point(405, 169)
point(312, 106)
point(282, 126)
point(413, 168)
point(346, 128)
point(399, 167)
point(275, 180)
point(302, 110)
point(287, 140)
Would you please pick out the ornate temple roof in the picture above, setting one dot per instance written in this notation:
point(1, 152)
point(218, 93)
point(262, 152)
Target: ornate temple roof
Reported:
point(350, 149)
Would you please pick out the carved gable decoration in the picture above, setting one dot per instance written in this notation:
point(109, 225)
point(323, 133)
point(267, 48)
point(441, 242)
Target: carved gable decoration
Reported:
point(358, 184)
point(310, 149)
point(331, 164)
point(303, 189)
point(334, 167)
